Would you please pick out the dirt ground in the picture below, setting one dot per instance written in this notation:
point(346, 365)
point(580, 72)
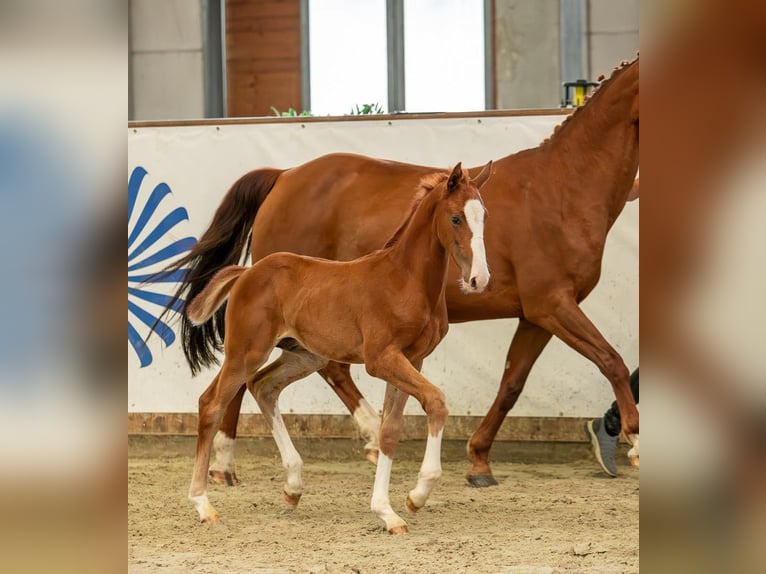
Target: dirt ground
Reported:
point(553, 512)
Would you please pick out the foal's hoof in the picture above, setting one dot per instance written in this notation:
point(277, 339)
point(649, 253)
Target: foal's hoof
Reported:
point(411, 505)
point(399, 530)
point(481, 480)
point(372, 455)
point(292, 500)
point(211, 518)
point(224, 477)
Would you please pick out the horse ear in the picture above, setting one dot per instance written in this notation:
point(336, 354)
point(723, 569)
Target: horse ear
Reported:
point(455, 177)
point(482, 178)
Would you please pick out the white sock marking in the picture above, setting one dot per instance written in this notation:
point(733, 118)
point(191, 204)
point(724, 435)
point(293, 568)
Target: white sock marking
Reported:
point(368, 421)
point(223, 447)
point(291, 460)
point(430, 470)
point(380, 503)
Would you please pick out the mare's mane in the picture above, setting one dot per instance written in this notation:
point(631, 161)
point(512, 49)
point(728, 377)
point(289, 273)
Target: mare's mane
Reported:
point(602, 82)
point(426, 184)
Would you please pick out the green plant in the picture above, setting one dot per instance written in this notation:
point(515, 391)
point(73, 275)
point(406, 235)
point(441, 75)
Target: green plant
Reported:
point(367, 109)
point(290, 113)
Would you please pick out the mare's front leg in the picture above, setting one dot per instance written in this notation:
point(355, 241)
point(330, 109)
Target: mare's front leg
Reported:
point(563, 317)
point(393, 367)
point(338, 376)
point(527, 344)
point(266, 387)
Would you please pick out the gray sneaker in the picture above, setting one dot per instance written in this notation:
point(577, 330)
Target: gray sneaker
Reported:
point(604, 446)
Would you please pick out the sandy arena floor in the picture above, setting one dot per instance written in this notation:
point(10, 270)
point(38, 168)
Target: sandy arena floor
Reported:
point(553, 512)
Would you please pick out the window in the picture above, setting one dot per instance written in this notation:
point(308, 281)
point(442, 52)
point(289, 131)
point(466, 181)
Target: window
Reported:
point(347, 55)
point(354, 46)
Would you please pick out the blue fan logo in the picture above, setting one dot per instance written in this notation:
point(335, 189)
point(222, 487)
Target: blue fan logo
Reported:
point(152, 245)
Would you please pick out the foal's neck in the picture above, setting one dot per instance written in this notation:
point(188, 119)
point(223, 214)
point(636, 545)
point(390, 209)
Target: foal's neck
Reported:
point(418, 253)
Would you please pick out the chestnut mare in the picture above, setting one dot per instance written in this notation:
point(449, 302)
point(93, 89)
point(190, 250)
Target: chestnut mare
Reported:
point(552, 205)
point(386, 310)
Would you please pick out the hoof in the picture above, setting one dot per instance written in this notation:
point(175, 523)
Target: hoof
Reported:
point(633, 458)
point(399, 530)
point(211, 519)
point(292, 500)
point(411, 505)
point(372, 455)
point(224, 477)
point(481, 480)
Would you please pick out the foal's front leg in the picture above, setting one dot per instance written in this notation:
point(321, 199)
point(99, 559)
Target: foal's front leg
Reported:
point(394, 367)
point(390, 430)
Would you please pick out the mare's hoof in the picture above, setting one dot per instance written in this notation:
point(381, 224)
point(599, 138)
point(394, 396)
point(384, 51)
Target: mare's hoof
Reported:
point(292, 500)
point(481, 480)
point(372, 455)
point(224, 477)
point(211, 519)
point(399, 530)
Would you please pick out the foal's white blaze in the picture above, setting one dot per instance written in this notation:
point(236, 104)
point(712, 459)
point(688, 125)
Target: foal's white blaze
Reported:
point(474, 214)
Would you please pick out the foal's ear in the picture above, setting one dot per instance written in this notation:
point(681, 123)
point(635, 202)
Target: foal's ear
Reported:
point(455, 177)
point(482, 178)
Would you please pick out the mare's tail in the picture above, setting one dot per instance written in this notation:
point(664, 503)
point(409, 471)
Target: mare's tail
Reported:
point(200, 309)
point(222, 244)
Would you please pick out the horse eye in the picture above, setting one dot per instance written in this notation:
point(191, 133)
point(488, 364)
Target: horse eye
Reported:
point(455, 220)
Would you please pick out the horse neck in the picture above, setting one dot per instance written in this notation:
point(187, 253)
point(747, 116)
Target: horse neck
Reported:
point(418, 252)
point(598, 147)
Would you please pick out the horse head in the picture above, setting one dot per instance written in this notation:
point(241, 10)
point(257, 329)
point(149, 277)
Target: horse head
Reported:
point(460, 221)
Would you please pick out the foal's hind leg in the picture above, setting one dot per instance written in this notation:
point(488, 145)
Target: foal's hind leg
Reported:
point(339, 378)
point(567, 321)
point(337, 375)
point(266, 386)
point(222, 470)
point(211, 408)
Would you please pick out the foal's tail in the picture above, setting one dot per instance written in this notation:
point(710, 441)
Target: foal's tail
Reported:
point(222, 244)
point(200, 309)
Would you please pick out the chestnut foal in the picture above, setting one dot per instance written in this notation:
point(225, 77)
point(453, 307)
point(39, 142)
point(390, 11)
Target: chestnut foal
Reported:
point(386, 310)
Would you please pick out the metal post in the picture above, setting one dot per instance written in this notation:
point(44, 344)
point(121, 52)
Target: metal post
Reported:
point(489, 55)
point(572, 26)
point(305, 56)
point(213, 57)
point(395, 49)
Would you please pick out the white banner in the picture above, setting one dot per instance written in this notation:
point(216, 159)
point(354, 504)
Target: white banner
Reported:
point(178, 175)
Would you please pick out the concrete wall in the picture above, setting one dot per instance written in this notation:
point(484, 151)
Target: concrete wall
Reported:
point(527, 67)
point(166, 60)
point(527, 47)
point(612, 34)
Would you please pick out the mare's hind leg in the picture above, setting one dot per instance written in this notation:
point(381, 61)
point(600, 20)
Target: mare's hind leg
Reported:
point(291, 366)
point(566, 320)
point(527, 344)
point(211, 408)
point(222, 470)
point(338, 376)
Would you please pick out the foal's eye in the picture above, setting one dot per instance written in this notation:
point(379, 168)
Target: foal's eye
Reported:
point(455, 220)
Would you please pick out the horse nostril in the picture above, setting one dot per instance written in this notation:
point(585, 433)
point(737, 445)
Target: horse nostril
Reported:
point(473, 282)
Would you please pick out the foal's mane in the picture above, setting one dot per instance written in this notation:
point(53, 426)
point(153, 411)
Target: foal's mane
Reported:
point(426, 184)
point(603, 81)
